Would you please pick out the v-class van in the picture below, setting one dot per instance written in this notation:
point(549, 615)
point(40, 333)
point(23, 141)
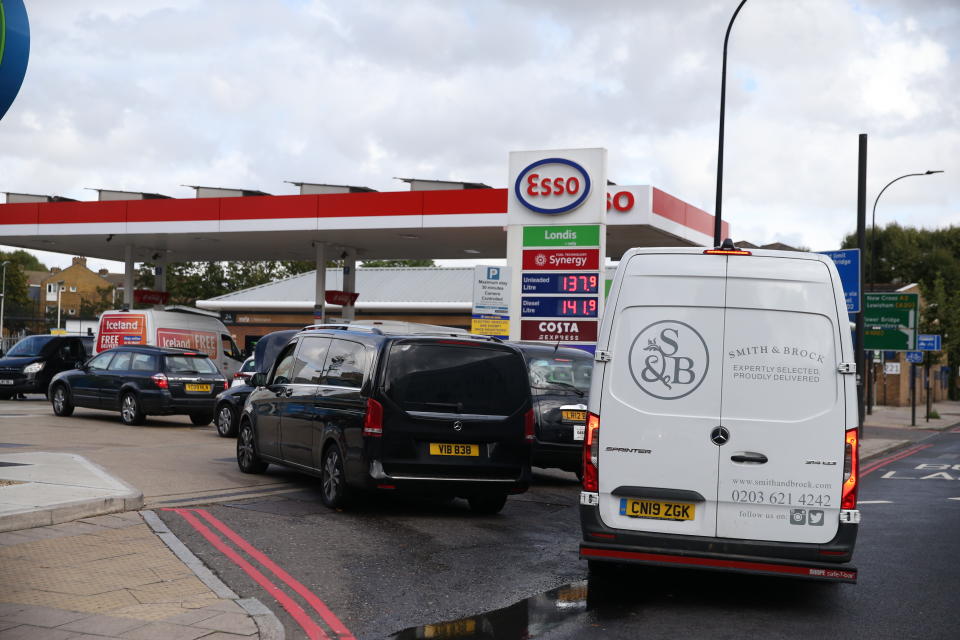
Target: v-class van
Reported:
point(722, 424)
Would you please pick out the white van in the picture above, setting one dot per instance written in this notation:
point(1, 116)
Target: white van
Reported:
point(176, 327)
point(725, 387)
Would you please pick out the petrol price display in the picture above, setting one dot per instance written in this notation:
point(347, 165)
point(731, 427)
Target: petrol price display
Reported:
point(559, 307)
point(561, 283)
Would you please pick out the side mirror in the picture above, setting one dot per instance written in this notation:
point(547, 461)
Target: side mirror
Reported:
point(258, 380)
point(78, 364)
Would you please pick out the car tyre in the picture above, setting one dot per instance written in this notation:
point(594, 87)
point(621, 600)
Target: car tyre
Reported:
point(600, 570)
point(5, 396)
point(487, 504)
point(61, 401)
point(333, 480)
point(130, 411)
point(226, 420)
point(201, 419)
point(247, 458)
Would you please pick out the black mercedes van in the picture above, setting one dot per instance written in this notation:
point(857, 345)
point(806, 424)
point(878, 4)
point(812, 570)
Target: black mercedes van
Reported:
point(426, 411)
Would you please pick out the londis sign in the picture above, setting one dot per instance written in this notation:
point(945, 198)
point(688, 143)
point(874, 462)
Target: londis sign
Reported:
point(552, 186)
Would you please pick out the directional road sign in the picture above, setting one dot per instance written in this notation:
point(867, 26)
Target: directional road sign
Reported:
point(928, 342)
point(890, 321)
point(848, 266)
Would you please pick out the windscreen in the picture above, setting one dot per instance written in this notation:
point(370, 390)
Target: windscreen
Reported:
point(31, 346)
point(190, 364)
point(553, 374)
point(451, 378)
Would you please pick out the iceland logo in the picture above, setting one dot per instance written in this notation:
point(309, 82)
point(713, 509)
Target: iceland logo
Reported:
point(669, 359)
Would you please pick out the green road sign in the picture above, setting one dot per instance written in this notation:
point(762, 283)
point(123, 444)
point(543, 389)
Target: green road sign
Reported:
point(890, 321)
point(587, 235)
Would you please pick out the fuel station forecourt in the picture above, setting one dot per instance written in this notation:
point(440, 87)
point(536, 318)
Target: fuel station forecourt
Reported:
point(556, 224)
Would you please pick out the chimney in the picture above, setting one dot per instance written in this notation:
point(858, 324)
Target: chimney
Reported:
point(103, 272)
point(78, 260)
point(54, 269)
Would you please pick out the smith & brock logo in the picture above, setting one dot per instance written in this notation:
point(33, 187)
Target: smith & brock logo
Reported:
point(669, 360)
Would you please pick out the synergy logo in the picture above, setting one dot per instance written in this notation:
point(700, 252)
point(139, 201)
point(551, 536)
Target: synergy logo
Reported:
point(552, 186)
point(14, 50)
point(669, 360)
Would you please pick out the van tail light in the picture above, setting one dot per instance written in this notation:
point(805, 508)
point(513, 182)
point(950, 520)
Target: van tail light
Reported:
point(851, 470)
point(529, 426)
point(373, 421)
point(160, 380)
point(591, 454)
point(226, 385)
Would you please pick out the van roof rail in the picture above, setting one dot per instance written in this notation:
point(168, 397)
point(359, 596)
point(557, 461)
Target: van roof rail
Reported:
point(472, 336)
point(343, 327)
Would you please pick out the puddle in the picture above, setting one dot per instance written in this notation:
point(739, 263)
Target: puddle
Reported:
point(528, 618)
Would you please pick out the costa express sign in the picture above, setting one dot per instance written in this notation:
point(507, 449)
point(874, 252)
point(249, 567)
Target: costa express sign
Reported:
point(552, 186)
point(559, 330)
point(14, 50)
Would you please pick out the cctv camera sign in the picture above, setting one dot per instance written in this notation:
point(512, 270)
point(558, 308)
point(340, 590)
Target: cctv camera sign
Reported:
point(566, 186)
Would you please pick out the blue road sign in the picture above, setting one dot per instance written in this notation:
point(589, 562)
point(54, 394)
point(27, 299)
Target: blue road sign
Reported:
point(915, 357)
point(928, 342)
point(848, 265)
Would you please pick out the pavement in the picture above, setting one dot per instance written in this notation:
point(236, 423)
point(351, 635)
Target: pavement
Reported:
point(79, 562)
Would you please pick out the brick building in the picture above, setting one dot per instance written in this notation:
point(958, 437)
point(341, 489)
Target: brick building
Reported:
point(77, 285)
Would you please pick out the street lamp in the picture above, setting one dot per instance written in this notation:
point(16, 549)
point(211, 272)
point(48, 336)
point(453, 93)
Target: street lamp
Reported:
point(723, 99)
point(3, 300)
point(872, 274)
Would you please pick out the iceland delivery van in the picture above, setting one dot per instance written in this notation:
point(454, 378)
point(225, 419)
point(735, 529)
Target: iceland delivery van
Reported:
point(170, 328)
point(722, 424)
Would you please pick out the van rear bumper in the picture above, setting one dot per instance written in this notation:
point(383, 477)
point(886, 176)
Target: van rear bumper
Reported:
point(816, 561)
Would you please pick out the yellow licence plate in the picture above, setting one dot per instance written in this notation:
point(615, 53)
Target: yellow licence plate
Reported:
point(440, 449)
point(198, 387)
point(573, 416)
point(656, 509)
point(466, 627)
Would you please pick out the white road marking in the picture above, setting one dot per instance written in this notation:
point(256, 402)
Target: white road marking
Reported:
point(884, 501)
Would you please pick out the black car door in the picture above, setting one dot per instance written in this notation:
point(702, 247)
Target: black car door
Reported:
point(85, 385)
point(265, 402)
point(113, 378)
point(299, 416)
point(341, 406)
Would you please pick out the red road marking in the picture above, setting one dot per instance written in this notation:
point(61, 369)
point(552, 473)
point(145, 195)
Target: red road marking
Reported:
point(312, 629)
point(900, 456)
point(325, 613)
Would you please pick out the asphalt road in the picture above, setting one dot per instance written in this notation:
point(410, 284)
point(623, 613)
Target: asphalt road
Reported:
point(420, 568)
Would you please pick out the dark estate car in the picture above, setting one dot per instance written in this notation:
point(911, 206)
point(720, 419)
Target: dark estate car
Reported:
point(32, 362)
point(230, 402)
point(141, 381)
point(362, 408)
point(560, 381)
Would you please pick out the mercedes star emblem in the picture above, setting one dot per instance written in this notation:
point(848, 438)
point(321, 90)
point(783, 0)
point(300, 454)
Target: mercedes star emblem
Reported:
point(457, 425)
point(720, 435)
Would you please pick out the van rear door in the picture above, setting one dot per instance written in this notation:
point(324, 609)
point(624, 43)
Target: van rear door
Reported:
point(780, 473)
point(661, 395)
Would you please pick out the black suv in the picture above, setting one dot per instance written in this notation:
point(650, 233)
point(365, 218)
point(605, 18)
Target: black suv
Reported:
point(560, 380)
point(361, 408)
point(141, 381)
point(32, 362)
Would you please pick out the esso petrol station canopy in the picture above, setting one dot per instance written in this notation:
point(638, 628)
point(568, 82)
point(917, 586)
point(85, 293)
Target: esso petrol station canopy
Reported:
point(448, 224)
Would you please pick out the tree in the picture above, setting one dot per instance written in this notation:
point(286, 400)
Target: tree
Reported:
point(397, 263)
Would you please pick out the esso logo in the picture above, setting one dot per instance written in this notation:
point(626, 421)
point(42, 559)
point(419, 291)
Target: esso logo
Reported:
point(622, 201)
point(552, 186)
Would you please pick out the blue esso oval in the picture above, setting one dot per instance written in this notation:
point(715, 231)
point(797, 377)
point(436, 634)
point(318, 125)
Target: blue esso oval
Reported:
point(14, 50)
point(552, 186)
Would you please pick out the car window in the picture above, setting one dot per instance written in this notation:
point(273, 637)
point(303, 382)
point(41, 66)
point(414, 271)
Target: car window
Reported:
point(284, 370)
point(102, 361)
point(346, 363)
point(550, 373)
point(144, 362)
point(308, 366)
point(249, 366)
point(30, 346)
point(189, 364)
point(71, 350)
point(449, 378)
point(122, 361)
point(230, 348)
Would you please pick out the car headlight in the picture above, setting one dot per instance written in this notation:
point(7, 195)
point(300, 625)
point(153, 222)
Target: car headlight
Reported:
point(33, 368)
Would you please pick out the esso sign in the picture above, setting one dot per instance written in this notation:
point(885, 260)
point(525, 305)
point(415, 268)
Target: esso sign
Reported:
point(552, 186)
point(621, 201)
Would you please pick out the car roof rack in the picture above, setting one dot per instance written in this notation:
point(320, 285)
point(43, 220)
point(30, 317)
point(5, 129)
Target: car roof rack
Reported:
point(471, 336)
point(344, 327)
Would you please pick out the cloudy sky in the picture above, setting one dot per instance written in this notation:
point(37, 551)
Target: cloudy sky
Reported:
point(153, 94)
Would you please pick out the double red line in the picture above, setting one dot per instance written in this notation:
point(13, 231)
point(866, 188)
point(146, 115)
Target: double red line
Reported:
point(873, 466)
point(310, 626)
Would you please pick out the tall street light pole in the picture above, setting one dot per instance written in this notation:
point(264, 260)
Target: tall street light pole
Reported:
point(717, 211)
point(872, 274)
point(59, 298)
point(3, 301)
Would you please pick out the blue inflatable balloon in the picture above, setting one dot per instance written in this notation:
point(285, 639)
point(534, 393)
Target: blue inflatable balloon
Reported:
point(14, 50)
